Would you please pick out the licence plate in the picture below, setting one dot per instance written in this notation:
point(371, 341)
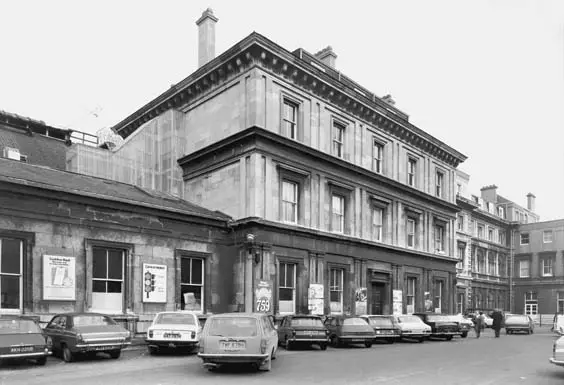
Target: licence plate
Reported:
point(171, 335)
point(108, 347)
point(232, 346)
point(21, 349)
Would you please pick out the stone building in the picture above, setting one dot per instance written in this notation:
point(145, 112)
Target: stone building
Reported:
point(340, 204)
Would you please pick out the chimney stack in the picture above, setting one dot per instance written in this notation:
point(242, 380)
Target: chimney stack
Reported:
point(327, 56)
point(531, 202)
point(206, 37)
point(489, 193)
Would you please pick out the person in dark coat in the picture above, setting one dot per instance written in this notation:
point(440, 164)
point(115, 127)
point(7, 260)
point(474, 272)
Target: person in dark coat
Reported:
point(497, 317)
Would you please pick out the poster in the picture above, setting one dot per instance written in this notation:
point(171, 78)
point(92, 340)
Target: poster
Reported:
point(59, 278)
point(315, 300)
point(360, 300)
point(154, 283)
point(398, 302)
point(263, 297)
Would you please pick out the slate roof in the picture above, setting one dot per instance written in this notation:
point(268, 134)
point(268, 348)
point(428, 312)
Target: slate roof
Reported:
point(12, 171)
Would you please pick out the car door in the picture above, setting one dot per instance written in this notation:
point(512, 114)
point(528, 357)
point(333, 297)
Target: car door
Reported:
point(270, 333)
point(283, 329)
point(53, 330)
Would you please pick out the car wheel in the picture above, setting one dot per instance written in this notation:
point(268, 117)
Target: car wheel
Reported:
point(368, 344)
point(115, 354)
point(288, 344)
point(421, 339)
point(267, 365)
point(448, 338)
point(323, 346)
point(391, 341)
point(528, 332)
point(152, 350)
point(532, 331)
point(68, 356)
point(464, 335)
point(335, 341)
point(41, 361)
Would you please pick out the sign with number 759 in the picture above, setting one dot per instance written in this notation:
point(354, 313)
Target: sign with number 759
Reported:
point(263, 305)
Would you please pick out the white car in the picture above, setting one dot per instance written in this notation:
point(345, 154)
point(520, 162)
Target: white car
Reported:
point(558, 352)
point(412, 327)
point(558, 325)
point(173, 330)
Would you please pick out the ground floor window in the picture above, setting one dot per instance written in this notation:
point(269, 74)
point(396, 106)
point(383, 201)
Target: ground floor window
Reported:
point(336, 290)
point(439, 288)
point(287, 288)
point(531, 303)
point(11, 285)
point(410, 296)
point(107, 279)
point(560, 302)
point(460, 303)
point(192, 284)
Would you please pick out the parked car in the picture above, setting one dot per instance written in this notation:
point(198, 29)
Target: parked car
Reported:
point(464, 324)
point(442, 326)
point(558, 324)
point(239, 338)
point(79, 333)
point(412, 327)
point(558, 352)
point(173, 330)
point(345, 330)
point(519, 323)
point(384, 327)
point(303, 330)
point(22, 338)
point(488, 320)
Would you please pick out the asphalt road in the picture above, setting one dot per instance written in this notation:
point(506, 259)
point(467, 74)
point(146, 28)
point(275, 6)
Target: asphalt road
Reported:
point(513, 359)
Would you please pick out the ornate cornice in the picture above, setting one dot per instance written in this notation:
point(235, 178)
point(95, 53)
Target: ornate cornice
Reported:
point(304, 71)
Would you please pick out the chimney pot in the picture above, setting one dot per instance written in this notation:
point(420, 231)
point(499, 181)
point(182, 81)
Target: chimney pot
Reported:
point(206, 37)
point(327, 56)
point(531, 202)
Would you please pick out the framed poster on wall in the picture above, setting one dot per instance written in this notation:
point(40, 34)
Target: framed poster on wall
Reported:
point(154, 283)
point(59, 278)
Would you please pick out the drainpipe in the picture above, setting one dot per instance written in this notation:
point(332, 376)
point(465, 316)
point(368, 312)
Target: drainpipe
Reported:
point(511, 271)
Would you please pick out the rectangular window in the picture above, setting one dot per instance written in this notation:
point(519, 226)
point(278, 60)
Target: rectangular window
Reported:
point(338, 213)
point(524, 238)
point(289, 202)
point(460, 222)
point(502, 238)
point(458, 188)
point(461, 250)
point(560, 302)
point(336, 290)
point(438, 296)
point(492, 264)
point(517, 216)
point(377, 154)
point(11, 283)
point(338, 139)
point(439, 238)
point(410, 296)
point(480, 231)
point(546, 267)
point(439, 179)
point(524, 269)
point(107, 279)
point(411, 171)
point(290, 120)
point(192, 284)
point(547, 236)
point(377, 223)
point(410, 233)
point(490, 234)
point(287, 288)
point(501, 212)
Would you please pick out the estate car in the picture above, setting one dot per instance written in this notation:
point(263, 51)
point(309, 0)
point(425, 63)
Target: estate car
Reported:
point(518, 323)
point(302, 330)
point(173, 330)
point(384, 327)
point(345, 330)
point(412, 327)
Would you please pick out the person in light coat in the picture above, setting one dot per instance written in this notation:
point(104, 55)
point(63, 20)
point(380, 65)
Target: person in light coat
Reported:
point(480, 324)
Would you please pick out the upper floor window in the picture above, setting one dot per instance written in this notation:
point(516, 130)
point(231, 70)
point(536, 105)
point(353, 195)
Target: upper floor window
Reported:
point(338, 213)
point(410, 231)
point(517, 216)
point(501, 212)
point(377, 223)
point(439, 181)
point(524, 268)
point(377, 154)
point(458, 188)
point(411, 171)
point(524, 238)
point(546, 267)
point(547, 236)
point(502, 238)
point(460, 222)
point(289, 201)
point(480, 231)
point(490, 234)
point(338, 139)
point(526, 218)
point(439, 238)
point(290, 119)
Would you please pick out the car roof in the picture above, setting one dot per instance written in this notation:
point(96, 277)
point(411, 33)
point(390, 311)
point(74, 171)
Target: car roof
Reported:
point(6, 317)
point(75, 314)
point(302, 316)
point(177, 312)
point(239, 315)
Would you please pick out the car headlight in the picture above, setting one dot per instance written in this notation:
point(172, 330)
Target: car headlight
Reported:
point(150, 333)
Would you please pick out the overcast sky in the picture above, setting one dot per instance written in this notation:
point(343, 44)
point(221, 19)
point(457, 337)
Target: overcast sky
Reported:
point(486, 77)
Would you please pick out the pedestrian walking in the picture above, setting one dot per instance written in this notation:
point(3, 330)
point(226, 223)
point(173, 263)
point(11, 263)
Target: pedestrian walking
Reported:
point(480, 324)
point(497, 317)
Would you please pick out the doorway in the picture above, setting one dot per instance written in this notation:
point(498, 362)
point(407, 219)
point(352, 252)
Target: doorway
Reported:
point(377, 298)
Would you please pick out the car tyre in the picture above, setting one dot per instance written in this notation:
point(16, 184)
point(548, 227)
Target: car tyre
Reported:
point(288, 345)
point(368, 344)
point(114, 354)
point(41, 361)
point(323, 346)
point(68, 356)
point(267, 365)
point(421, 339)
point(153, 351)
point(335, 341)
point(464, 334)
point(391, 341)
point(448, 338)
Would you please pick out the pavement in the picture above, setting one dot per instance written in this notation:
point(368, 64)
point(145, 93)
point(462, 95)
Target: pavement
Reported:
point(510, 359)
point(137, 343)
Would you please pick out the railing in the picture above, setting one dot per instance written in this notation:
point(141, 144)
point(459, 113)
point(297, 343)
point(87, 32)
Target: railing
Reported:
point(491, 278)
point(84, 138)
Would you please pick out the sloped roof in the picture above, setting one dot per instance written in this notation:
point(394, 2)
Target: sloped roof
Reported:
point(12, 171)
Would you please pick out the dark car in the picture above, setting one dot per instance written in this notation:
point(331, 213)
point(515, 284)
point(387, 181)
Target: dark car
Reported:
point(302, 330)
point(384, 327)
point(441, 325)
point(345, 330)
point(22, 338)
point(518, 323)
point(80, 333)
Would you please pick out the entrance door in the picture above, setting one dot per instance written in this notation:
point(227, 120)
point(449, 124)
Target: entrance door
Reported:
point(377, 298)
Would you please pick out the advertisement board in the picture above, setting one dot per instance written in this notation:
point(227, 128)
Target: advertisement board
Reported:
point(154, 283)
point(315, 299)
point(361, 297)
point(398, 302)
point(59, 278)
point(263, 296)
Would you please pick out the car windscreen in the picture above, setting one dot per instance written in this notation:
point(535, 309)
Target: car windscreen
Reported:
point(516, 318)
point(175, 319)
point(306, 321)
point(354, 321)
point(437, 318)
point(382, 322)
point(409, 319)
point(92, 320)
point(233, 327)
point(17, 326)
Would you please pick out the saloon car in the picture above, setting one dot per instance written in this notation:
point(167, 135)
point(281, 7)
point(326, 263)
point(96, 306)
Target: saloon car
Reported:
point(22, 338)
point(346, 330)
point(384, 327)
point(558, 352)
point(298, 329)
point(82, 333)
point(441, 325)
point(173, 330)
point(412, 327)
point(515, 323)
point(238, 338)
point(464, 324)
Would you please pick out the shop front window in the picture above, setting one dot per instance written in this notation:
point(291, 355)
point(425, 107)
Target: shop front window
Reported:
point(192, 284)
point(107, 280)
point(11, 253)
